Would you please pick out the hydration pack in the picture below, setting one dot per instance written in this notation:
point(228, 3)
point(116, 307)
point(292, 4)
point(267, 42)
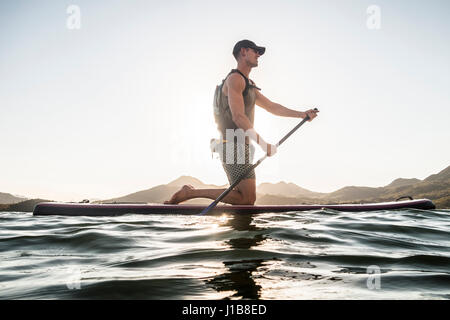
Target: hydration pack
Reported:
point(222, 112)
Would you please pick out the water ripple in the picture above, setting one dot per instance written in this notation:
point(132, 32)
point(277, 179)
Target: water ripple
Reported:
point(320, 254)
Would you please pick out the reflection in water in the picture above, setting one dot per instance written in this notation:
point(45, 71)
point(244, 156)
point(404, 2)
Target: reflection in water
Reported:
point(240, 278)
point(319, 254)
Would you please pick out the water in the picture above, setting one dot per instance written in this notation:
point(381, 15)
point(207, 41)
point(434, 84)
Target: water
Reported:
point(322, 254)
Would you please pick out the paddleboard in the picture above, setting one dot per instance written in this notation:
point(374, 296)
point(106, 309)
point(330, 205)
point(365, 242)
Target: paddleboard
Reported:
point(114, 209)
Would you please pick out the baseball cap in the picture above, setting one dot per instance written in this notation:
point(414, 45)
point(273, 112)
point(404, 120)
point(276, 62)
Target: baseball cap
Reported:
point(247, 44)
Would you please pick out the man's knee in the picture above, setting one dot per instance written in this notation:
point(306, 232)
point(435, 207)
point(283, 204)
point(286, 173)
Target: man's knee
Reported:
point(247, 189)
point(249, 198)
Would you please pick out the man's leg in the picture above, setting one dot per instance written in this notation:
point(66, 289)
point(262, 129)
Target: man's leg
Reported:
point(247, 188)
point(244, 193)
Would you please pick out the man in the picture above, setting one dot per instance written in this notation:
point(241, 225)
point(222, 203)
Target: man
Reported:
point(234, 104)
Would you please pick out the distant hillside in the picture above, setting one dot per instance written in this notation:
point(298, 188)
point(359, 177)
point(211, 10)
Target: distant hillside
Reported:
point(24, 206)
point(436, 187)
point(354, 193)
point(400, 182)
point(196, 183)
point(286, 190)
point(161, 193)
point(269, 199)
point(7, 198)
point(152, 195)
point(443, 176)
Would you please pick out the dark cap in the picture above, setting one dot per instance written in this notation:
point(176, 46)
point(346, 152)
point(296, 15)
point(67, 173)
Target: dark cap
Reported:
point(247, 44)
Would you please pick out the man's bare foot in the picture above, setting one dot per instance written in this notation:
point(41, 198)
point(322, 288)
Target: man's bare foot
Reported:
point(181, 195)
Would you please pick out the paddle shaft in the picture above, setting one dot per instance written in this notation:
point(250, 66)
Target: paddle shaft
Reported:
point(223, 195)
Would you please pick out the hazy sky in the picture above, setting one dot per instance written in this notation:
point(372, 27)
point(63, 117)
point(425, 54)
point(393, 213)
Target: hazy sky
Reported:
point(125, 102)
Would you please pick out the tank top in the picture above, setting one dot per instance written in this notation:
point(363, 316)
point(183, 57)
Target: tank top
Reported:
point(222, 111)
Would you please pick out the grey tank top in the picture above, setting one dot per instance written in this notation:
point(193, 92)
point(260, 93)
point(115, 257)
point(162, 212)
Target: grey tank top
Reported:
point(222, 111)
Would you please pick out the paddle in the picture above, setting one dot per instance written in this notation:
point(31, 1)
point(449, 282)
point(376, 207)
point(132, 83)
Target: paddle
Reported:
point(223, 195)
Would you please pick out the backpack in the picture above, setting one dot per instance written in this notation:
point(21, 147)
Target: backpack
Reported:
point(219, 109)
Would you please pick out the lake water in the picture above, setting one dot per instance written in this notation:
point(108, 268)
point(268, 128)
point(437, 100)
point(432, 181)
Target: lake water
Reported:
point(322, 254)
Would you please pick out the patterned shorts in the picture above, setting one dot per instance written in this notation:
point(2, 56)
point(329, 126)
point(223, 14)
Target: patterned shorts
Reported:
point(239, 160)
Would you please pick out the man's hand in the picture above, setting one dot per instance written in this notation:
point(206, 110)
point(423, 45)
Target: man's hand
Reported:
point(311, 113)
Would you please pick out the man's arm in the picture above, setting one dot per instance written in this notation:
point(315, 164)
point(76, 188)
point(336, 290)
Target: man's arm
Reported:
point(277, 109)
point(236, 85)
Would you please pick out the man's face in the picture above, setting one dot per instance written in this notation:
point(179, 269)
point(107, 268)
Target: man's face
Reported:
point(251, 56)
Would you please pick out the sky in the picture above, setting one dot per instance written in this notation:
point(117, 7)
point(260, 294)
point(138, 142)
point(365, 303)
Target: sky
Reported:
point(116, 96)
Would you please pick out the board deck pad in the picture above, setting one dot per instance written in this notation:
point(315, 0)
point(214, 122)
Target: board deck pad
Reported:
point(114, 209)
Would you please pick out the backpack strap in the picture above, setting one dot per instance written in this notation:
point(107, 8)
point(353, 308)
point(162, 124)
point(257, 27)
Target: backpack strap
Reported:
point(248, 85)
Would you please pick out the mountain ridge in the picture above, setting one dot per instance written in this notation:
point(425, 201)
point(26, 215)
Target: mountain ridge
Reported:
point(435, 187)
point(8, 198)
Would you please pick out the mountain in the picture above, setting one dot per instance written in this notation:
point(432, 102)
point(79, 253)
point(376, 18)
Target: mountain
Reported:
point(161, 193)
point(436, 187)
point(152, 195)
point(443, 176)
point(269, 199)
point(286, 190)
point(7, 198)
point(196, 183)
point(24, 206)
point(354, 193)
point(400, 182)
